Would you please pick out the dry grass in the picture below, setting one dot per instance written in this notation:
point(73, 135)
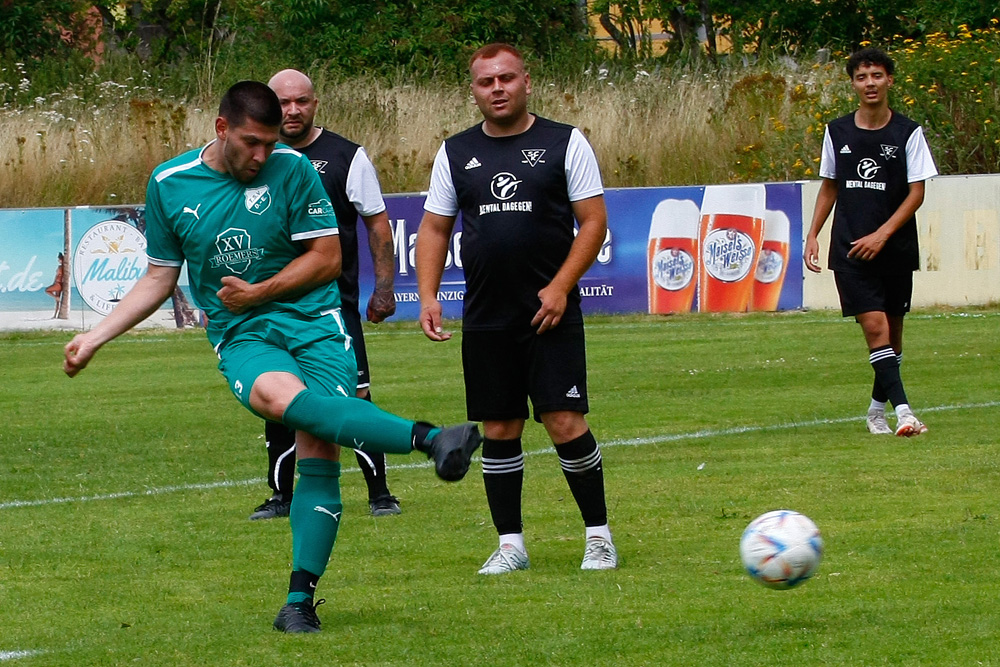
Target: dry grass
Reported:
point(655, 130)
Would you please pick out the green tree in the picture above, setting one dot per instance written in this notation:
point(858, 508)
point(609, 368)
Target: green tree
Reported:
point(685, 23)
point(34, 28)
point(424, 37)
point(163, 30)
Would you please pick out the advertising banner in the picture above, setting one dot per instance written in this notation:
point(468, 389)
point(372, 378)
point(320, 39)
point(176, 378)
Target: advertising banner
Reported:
point(638, 270)
point(667, 250)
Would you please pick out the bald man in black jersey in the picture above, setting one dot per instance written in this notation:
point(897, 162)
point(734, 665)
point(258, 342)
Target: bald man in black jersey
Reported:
point(874, 165)
point(349, 178)
point(520, 181)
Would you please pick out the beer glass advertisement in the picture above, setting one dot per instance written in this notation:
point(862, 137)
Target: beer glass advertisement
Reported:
point(720, 248)
point(726, 248)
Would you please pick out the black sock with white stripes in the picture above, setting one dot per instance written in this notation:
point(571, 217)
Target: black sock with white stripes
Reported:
point(581, 464)
point(280, 458)
point(878, 393)
point(883, 360)
point(503, 477)
point(373, 468)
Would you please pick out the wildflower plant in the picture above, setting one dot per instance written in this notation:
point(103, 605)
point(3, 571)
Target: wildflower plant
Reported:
point(947, 82)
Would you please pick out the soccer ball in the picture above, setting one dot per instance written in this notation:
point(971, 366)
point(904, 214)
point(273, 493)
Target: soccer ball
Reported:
point(781, 549)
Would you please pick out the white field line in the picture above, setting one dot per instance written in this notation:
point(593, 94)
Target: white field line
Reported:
point(629, 442)
point(794, 317)
point(17, 655)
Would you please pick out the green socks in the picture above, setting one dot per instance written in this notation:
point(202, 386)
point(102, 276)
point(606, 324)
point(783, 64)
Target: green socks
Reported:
point(349, 422)
point(315, 514)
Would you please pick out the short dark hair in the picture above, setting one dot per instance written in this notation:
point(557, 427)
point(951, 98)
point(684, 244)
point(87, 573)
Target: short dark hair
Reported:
point(870, 56)
point(250, 99)
point(493, 50)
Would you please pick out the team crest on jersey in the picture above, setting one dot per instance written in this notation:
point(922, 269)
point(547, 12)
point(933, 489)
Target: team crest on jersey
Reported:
point(504, 185)
point(234, 251)
point(319, 165)
point(257, 200)
point(533, 156)
point(867, 168)
point(889, 152)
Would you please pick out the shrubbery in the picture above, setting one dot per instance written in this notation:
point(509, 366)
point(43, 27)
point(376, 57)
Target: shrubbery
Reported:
point(945, 82)
point(73, 134)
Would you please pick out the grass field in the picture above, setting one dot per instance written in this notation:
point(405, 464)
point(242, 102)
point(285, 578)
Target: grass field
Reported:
point(124, 495)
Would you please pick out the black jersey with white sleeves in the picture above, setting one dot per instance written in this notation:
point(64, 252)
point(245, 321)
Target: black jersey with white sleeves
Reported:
point(873, 170)
point(515, 194)
point(352, 183)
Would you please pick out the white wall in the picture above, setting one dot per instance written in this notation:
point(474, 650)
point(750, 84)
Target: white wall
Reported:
point(959, 229)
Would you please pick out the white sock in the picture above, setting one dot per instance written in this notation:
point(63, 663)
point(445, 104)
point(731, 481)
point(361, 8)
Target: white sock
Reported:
point(877, 405)
point(903, 409)
point(517, 539)
point(599, 531)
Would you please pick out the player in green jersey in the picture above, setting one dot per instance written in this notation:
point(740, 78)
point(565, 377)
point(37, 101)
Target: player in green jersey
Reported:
point(256, 228)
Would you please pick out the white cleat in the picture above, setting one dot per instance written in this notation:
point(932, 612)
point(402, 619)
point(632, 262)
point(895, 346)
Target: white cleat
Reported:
point(600, 554)
point(877, 424)
point(908, 425)
point(507, 558)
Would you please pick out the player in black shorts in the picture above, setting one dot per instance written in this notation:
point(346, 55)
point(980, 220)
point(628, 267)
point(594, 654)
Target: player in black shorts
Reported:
point(349, 178)
point(874, 165)
point(519, 181)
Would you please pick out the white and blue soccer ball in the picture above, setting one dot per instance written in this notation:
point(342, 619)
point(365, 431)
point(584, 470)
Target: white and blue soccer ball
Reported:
point(781, 549)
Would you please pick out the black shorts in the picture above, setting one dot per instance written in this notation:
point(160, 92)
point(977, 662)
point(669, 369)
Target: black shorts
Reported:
point(352, 322)
point(867, 292)
point(503, 369)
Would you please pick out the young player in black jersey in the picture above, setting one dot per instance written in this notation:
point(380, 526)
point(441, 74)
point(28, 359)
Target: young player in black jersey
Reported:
point(874, 165)
point(520, 181)
point(349, 178)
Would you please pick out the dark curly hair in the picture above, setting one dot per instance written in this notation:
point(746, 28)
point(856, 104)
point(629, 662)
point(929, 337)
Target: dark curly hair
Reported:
point(870, 56)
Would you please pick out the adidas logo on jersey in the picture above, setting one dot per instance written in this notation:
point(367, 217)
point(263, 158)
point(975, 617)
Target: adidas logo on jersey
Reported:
point(573, 392)
point(473, 163)
point(846, 150)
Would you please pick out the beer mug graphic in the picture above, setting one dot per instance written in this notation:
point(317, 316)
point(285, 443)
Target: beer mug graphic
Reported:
point(672, 256)
point(773, 261)
point(732, 228)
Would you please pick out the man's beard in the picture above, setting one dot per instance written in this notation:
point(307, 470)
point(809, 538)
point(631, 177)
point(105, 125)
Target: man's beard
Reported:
point(306, 129)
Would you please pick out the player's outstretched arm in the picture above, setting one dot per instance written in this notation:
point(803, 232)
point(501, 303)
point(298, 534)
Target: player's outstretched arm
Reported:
point(318, 265)
point(433, 238)
point(825, 200)
point(143, 299)
point(592, 218)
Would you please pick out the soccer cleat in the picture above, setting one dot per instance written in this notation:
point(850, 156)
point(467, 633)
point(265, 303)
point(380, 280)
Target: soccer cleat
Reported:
point(908, 425)
point(600, 554)
point(452, 450)
point(384, 506)
point(877, 424)
point(272, 508)
point(298, 617)
point(507, 558)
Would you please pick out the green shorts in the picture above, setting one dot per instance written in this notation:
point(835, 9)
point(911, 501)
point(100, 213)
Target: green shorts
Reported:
point(317, 350)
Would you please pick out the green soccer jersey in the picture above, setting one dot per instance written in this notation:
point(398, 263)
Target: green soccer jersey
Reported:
point(223, 227)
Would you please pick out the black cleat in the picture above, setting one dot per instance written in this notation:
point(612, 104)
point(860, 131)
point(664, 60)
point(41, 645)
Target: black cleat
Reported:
point(384, 506)
point(298, 617)
point(452, 450)
point(272, 508)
